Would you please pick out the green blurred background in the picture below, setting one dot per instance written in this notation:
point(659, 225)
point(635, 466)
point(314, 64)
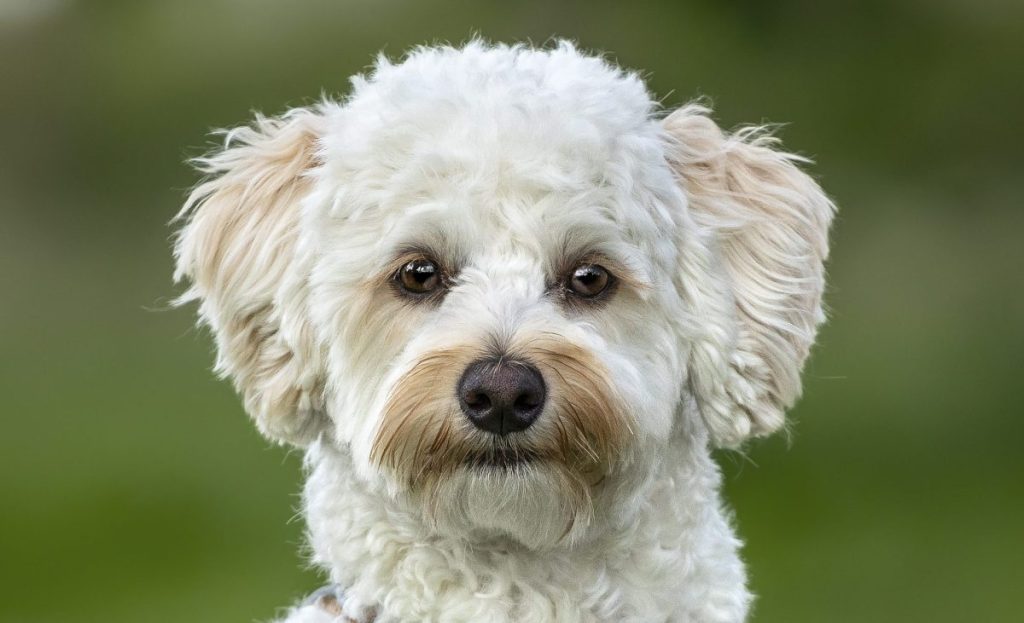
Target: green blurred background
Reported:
point(133, 488)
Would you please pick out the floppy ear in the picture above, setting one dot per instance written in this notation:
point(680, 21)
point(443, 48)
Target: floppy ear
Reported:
point(765, 223)
point(238, 248)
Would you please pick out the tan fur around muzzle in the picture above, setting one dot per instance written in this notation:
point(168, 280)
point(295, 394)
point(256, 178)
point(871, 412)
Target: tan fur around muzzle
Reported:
point(424, 435)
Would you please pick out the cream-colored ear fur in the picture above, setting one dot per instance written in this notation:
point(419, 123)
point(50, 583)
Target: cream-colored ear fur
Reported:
point(237, 248)
point(767, 223)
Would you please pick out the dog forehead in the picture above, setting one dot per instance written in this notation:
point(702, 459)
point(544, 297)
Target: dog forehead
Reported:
point(497, 139)
point(552, 118)
point(501, 232)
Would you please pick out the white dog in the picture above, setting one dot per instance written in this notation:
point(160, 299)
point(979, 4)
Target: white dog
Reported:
point(507, 308)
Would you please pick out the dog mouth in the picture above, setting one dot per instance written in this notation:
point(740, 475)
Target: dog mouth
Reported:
point(503, 458)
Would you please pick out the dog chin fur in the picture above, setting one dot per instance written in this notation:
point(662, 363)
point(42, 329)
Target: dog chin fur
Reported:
point(509, 167)
point(669, 552)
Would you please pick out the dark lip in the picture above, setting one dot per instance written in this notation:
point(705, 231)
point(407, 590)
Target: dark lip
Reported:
point(502, 458)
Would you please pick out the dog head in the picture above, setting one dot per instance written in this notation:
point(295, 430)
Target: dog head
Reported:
point(503, 285)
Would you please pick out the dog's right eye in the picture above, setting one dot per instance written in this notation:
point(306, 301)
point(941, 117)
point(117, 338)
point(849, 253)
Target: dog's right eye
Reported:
point(419, 276)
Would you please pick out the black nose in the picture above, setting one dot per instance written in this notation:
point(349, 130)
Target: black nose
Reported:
point(502, 396)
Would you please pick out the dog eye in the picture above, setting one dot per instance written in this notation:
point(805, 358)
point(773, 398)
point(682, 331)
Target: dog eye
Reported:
point(420, 276)
point(589, 280)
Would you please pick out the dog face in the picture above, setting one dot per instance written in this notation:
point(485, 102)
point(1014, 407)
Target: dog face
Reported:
point(503, 287)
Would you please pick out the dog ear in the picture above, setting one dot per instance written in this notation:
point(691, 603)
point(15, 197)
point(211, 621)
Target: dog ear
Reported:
point(239, 249)
point(765, 223)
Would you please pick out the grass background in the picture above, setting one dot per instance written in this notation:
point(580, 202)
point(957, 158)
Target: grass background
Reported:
point(132, 487)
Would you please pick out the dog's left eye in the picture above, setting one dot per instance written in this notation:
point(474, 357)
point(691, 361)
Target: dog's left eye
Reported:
point(419, 276)
point(589, 280)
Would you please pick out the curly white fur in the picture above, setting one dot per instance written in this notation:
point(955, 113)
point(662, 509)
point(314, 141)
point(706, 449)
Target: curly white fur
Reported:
point(507, 164)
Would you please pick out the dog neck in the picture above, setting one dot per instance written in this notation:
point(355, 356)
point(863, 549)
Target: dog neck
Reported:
point(676, 559)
